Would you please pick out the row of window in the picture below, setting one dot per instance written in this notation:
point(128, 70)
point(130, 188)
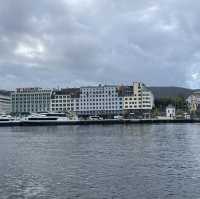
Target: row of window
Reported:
point(39, 106)
point(99, 91)
point(101, 99)
point(63, 105)
point(99, 111)
point(61, 101)
point(102, 108)
point(138, 102)
point(105, 103)
point(28, 102)
point(62, 96)
point(62, 109)
point(131, 98)
point(86, 100)
point(31, 98)
point(5, 102)
point(97, 96)
point(135, 106)
point(32, 90)
point(85, 105)
point(4, 99)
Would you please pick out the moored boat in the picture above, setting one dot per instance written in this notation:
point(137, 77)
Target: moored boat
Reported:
point(48, 117)
point(6, 118)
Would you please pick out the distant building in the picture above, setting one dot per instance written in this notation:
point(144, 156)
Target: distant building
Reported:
point(170, 112)
point(65, 100)
point(193, 101)
point(31, 100)
point(5, 102)
point(100, 100)
point(137, 97)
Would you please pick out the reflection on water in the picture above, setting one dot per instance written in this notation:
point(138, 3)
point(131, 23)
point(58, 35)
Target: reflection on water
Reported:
point(133, 161)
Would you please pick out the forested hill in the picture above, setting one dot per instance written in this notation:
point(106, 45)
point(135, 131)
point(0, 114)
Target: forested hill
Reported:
point(162, 92)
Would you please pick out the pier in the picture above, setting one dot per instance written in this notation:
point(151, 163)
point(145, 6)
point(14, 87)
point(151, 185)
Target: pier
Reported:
point(98, 122)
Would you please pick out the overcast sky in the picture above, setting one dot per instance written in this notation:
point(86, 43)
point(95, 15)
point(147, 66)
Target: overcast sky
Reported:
point(64, 43)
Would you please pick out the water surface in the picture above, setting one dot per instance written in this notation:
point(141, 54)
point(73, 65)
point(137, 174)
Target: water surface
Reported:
point(94, 162)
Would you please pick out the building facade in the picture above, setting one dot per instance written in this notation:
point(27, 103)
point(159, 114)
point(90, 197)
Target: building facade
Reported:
point(31, 100)
point(65, 100)
point(5, 102)
point(193, 102)
point(100, 100)
point(170, 112)
point(137, 97)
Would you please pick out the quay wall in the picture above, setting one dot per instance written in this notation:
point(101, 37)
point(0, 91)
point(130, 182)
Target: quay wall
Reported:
point(98, 122)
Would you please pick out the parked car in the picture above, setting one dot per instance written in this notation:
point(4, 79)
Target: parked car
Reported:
point(95, 118)
point(118, 117)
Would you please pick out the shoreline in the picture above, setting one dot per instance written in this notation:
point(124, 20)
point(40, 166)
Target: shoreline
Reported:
point(98, 122)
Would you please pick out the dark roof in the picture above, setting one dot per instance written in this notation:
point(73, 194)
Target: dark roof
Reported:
point(4, 92)
point(125, 90)
point(73, 92)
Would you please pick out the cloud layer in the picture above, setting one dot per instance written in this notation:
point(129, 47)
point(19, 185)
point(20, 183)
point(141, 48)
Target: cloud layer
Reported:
point(80, 42)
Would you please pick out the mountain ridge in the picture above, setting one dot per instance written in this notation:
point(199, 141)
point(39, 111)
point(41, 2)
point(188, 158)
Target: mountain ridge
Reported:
point(171, 91)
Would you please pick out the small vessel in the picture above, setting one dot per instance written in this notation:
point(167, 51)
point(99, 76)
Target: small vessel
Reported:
point(6, 118)
point(48, 117)
point(95, 118)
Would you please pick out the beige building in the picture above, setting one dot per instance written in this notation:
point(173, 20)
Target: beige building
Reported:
point(65, 100)
point(193, 101)
point(138, 97)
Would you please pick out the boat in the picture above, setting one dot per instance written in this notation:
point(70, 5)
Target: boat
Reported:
point(6, 118)
point(95, 118)
point(48, 117)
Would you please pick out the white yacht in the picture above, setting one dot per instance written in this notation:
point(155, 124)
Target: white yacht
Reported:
point(95, 118)
point(48, 117)
point(6, 118)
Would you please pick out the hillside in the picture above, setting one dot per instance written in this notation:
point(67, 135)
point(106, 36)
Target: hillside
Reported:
point(160, 92)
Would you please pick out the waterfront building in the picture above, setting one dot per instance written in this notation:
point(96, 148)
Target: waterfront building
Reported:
point(170, 112)
point(137, 98)
point(31, 100)
point(65, 100)
point(103, 100)
point(193, 102)
point(5, 102)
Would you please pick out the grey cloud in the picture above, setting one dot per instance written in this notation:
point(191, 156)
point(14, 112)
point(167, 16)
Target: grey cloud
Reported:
point(69, 43)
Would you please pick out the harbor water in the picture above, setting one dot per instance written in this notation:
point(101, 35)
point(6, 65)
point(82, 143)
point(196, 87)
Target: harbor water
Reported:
point(100, 162)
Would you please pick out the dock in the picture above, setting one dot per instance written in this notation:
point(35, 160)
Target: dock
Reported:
point(99, 122)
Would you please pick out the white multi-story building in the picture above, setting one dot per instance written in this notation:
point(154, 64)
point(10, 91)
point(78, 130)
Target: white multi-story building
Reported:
point(103, 100)
point(170, 112)
point(65, 100)
point(5, 102)
point(31, 100)
point(138, 97)
point(193, 101)
point(100, 100)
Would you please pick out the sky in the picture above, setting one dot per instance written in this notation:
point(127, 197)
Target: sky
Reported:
point(67, 43)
